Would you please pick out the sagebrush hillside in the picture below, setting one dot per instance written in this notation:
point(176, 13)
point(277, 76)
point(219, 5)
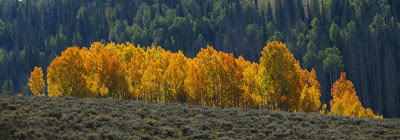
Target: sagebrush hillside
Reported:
point(76, 118)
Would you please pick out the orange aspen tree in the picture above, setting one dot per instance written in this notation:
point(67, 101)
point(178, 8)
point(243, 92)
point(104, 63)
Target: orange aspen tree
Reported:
point(66, 74)
point(195, 84)
point(36, 82)
point(311, 93)
point(232, 78)
point(105, 73)
point(112, 74)
point(175, 76)
point(244, 85)
point(251, 87)
point(345, 101)
point(206, 59)
point(123, 71)
point(93, 69)
point(135, 70)
point(152, 82)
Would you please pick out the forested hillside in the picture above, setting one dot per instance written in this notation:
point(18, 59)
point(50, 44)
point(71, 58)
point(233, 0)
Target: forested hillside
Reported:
point(359, 37)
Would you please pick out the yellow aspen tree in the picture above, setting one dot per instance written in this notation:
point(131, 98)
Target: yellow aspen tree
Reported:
point(94, 84)
point(206, 59)
point(53, 80)
point(164, 59)
point(111, 47)
point(112, 74)
point(93, 68)
point(280, 77)
point(251, 87)
point(103, 90)
point(323, 109)
point(175, 76)
point(66, 73)
point(311, 93)
point(97, 47)
point(345, 101)
point(152, 82)
point(105, 72)
point(36, 82)
point(120, 50)
point(232, 77)
point(223, 96)
point(135, 70)
point(370, 114)
point(254, 100)
point(157, 59)
point(245, 81)
point(344, 98)
point(195, 84)
point(128, 51)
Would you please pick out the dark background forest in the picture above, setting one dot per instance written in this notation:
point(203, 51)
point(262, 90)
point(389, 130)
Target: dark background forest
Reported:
point(360, 37)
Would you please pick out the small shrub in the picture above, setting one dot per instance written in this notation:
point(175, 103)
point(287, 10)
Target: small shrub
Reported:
point(186, 130)
point(202, 135)
point(11, 107)
point(169, 132)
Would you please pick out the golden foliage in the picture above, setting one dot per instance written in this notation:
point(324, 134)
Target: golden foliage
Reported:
point(345, 101)
point(195, 84)
point(212, 78)
point(126, 71)
point(175, 76)
point(280, 77)
point(309, 100)
point(36, 82)
point(323, 109)
point(66, 73)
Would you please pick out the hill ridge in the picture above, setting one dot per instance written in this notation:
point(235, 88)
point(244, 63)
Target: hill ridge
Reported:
point(74, 118)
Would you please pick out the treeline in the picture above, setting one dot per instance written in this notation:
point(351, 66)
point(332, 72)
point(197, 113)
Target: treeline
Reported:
point(332, 36)
point(212, 78)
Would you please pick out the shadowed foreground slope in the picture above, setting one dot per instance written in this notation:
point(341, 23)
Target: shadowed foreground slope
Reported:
point(75, 118)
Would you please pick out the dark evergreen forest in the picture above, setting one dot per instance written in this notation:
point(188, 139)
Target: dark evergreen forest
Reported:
point(359, 37)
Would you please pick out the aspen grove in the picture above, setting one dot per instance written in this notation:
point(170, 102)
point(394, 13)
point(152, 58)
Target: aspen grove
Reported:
point(212, 78)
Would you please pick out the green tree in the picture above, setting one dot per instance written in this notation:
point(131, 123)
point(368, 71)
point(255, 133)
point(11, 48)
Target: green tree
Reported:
point(335, 35)
point(332, 61)
point(7, 87)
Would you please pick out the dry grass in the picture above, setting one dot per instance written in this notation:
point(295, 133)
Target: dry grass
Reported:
point(74, 118)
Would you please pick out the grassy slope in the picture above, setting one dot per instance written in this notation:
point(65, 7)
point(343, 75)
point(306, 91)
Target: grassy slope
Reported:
point(74, 118)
